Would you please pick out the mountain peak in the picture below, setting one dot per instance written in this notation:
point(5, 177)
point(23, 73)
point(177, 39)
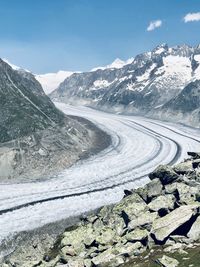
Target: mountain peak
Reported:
point(116, 64)
point(160, 48)
point(13, 66)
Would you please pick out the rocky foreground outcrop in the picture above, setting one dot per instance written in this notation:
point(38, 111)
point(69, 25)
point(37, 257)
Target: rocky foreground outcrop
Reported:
point(162, 216)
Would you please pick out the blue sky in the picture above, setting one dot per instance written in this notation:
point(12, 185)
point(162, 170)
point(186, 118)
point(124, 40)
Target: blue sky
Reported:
point(49, 35)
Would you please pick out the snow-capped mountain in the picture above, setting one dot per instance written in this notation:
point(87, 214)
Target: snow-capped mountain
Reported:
point(13, 66)
point(143, 86)
point(50, 81)
point(116, 64)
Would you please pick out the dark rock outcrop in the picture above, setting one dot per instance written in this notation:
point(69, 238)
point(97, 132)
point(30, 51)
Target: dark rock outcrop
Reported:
point(37, 139)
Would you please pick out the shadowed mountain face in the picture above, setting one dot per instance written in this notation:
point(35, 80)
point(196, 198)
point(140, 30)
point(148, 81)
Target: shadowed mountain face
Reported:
point(24, 108)
point(187, 100)
point(144, 86)
point(36, 139)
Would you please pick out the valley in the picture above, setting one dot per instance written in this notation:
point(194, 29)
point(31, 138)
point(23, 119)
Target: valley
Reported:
point(138, 146)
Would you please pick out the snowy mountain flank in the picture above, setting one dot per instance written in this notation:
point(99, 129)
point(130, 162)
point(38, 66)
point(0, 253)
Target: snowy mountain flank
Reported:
point(36, 139)
point(116, 64)
point(161, 83)
point(50, 81)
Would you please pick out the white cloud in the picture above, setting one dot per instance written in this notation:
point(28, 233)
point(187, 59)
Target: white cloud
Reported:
point(192, 17)
point(154, 24)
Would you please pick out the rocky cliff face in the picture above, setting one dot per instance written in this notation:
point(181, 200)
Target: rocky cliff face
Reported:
point(148, 226)
point(35, 137)
point(24, 107)
point(185, 107)
point(144, 86)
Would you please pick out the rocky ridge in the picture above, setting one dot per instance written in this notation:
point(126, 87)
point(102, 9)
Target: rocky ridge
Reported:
point(155, 83)
point(37, 139)
point(162, 216)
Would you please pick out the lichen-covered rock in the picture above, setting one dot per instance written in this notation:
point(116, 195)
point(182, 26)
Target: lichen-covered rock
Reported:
point(78, 235)
point(137, 235)
point(154, 189)
point(145, 220)
point(142, 192)
point(68, 251)
point(166, 261)
point(183, 167)
point(165, 211)
point(115, 221)
point(108, 258)
point(185, 194)
point(78, 262)
point(132, 205)
point(166, 225)
point(165, 173)
point(162, 202)
point(194, 232)
point(88, 263)
point(106, 236)
point(129, 248)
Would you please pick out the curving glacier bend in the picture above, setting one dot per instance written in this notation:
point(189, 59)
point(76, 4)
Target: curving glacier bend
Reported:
point(138, 146)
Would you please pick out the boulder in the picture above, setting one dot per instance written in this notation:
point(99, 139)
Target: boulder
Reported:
point(142, 192)
point(145, 219)
point(78, 236)
point(171, 188)
point(108, 258)
point(163, 227)
point(75, 263)
point(183, 167)
point(154, 189)
point(117, 222)
point(194, 233)
point(187, 194)
point(106, 236)
point(137, 235)
point(105, 212)
point(88, 263)
point(165, 173)
point(132, 206)
point(166, 261)
point(68, 250)
point(162, 202)
point(129, 248)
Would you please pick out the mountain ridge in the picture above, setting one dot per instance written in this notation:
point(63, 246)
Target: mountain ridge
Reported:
point(36, 139)
point(142, 87)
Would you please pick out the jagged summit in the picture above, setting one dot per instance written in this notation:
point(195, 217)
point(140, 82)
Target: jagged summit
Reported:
point(143, 85)
point(116, 64)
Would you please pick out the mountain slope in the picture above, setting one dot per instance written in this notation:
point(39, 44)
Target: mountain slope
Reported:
point(50, 81)
point(36, 139)
point(146, 84)
point(185, 107)
point(116, 64)
point(24, 106)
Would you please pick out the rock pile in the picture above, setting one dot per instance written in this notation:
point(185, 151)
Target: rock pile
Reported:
point(164, 212)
